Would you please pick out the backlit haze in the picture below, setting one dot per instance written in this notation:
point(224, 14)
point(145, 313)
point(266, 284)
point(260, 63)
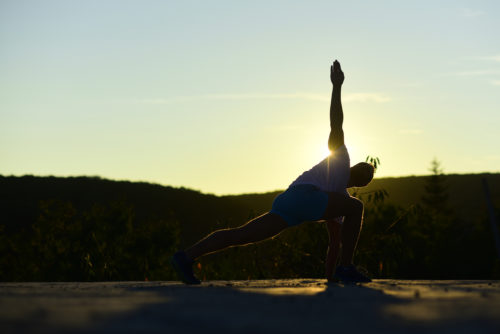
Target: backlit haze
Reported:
point(232, 96)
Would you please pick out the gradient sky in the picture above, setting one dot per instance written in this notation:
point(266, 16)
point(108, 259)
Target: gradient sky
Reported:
point(232, 96)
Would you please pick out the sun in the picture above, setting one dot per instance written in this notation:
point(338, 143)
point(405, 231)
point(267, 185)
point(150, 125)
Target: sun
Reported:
point(325, 152)
point(321, 150)
point(321, 153)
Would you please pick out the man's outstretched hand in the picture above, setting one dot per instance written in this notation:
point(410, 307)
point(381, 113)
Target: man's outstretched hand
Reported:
point(336, 74)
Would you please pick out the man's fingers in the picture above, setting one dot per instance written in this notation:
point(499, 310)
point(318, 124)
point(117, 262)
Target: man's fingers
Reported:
point(335, 66)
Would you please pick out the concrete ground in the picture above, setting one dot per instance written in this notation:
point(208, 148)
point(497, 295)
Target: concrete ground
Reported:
point(262, 306)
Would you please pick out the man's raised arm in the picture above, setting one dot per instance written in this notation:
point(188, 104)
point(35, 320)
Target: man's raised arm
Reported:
point(336, 138)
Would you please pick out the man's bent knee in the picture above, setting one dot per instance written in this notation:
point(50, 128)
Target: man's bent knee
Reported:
point(340, 205)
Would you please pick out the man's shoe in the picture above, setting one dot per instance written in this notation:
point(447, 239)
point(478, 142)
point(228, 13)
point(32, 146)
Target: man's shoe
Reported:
point(349, 274)
point(184, 268)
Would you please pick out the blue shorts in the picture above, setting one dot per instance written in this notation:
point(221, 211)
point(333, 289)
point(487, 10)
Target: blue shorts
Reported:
point(300, 203)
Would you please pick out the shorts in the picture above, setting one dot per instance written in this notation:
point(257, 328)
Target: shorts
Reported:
point(300, 203)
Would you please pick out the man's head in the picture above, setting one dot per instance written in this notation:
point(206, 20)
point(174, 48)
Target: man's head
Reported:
point(361, 174)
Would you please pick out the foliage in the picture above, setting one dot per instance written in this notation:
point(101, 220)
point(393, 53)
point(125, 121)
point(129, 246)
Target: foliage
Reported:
point(104, 243)
point(87, 229)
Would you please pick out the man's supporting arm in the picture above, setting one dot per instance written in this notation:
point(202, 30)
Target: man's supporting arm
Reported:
point(334, 230)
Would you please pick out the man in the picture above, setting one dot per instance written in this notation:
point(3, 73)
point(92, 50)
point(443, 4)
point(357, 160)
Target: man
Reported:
point(318, 194)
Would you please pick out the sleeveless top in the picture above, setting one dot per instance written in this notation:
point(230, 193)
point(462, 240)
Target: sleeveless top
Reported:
point(331, 174)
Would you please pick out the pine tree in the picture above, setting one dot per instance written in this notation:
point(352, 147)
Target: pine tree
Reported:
point(435, 198)
point(443, 231)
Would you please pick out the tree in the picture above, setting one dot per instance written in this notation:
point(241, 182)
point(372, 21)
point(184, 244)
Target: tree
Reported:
point(444, 232)
point(435, 198)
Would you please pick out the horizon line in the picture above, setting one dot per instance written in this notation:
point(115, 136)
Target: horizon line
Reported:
point(218, 194)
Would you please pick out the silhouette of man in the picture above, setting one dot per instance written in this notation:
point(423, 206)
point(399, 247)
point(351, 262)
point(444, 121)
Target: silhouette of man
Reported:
point(319, 194)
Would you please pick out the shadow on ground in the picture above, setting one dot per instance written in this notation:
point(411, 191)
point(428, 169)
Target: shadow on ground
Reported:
point(267, 306)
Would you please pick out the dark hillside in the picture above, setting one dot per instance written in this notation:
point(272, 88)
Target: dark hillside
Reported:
point(466, 196)
point(196, 212)
point(87, 228)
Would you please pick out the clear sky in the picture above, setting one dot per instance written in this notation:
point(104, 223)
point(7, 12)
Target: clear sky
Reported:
point(233, 96)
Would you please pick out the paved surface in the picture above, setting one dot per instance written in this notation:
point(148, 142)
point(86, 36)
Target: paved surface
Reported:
point(267, 306)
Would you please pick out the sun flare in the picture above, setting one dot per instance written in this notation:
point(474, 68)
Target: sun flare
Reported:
point(325, 152)
point(321, 153)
